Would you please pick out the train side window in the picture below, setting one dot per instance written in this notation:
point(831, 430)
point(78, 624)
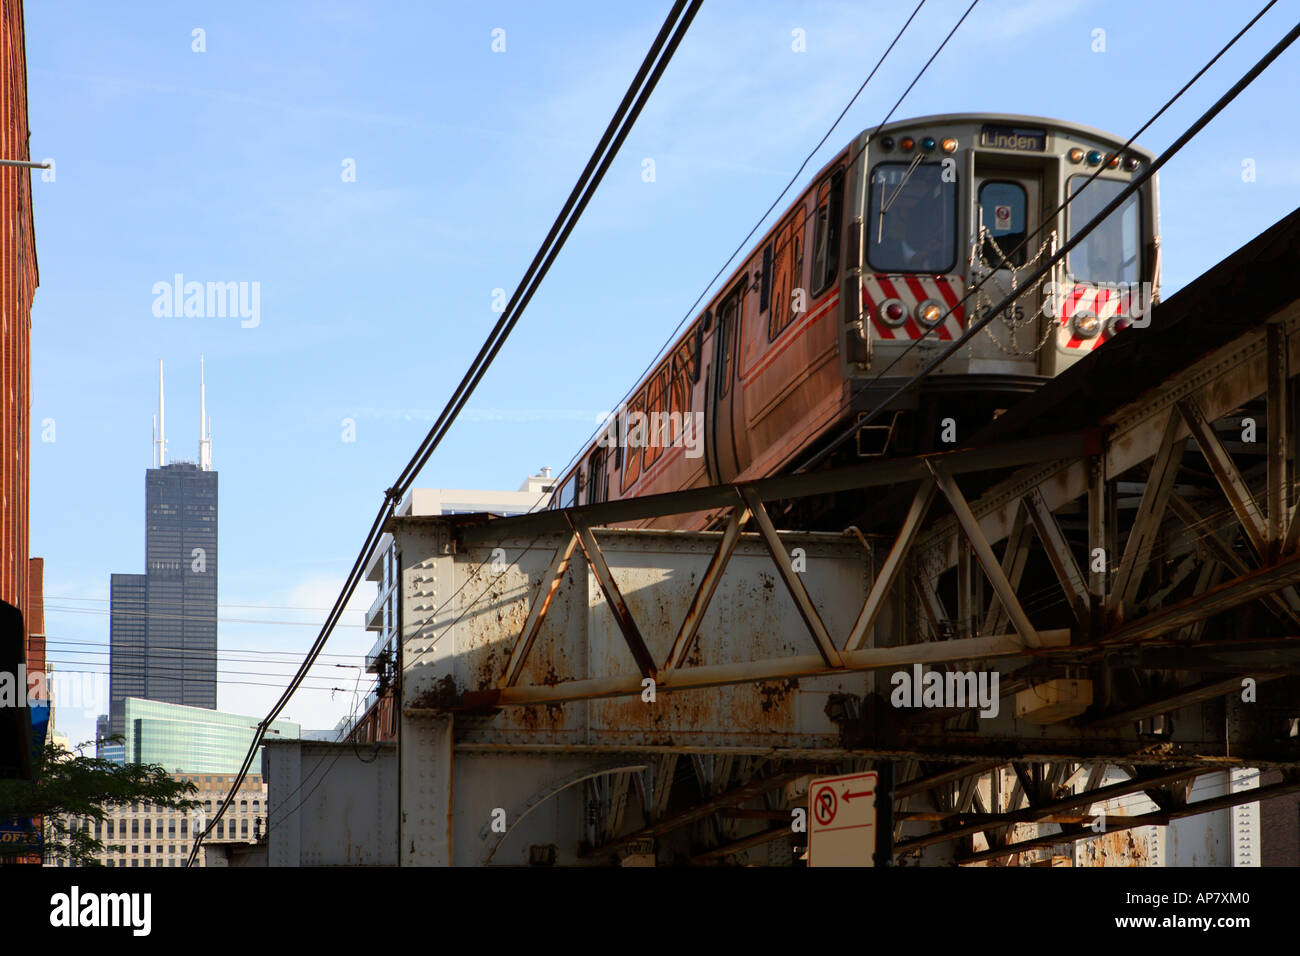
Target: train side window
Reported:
point(679, 394)
point(826, 242)
point(569, 493)
point(1003, 207)
point(597, 483)
point(656, 419)
point(632, 460)
point(726, 333)
point(618, 442)
point(787, 268)
point(765, 283)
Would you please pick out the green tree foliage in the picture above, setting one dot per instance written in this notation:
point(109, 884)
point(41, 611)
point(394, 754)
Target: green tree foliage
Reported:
point(73, 788)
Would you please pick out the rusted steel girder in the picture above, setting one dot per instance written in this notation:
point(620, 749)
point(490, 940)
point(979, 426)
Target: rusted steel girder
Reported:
point(537, 612)
point(731, 798)
point(1230, 594)
point(742, 844)
point(596, 561)
point(1039, 813)
point(874, 474)
point(690, 627)
point(718, 675)
point(1144, 820)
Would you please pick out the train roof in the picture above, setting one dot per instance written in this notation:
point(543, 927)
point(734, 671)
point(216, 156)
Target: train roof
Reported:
point(940, 119)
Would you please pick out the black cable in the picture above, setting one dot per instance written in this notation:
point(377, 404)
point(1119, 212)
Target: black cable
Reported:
point(243, 683)
point(143, 614)
point(572, 209)
point(659, 55)
point(187, 650)
point(178, 657)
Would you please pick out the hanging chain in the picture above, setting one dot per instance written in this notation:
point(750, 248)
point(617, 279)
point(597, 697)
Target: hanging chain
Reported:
point(983, 302)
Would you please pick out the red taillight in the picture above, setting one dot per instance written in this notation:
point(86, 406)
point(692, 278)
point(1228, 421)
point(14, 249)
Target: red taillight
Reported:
point(893, 312)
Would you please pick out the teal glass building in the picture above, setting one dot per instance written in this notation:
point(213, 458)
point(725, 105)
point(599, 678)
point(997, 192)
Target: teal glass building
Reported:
point(193, 739)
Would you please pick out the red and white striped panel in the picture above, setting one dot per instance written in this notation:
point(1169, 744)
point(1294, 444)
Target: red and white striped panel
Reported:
point(912, 290)
point(1104, 303)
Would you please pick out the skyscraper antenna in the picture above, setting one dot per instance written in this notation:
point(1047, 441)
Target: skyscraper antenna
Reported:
point(205, 434)
point(161, 439)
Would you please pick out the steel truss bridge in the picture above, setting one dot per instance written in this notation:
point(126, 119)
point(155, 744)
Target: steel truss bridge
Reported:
point(1122, 550)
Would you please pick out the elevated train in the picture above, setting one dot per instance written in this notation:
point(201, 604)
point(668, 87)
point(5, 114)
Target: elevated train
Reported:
point(886, 240)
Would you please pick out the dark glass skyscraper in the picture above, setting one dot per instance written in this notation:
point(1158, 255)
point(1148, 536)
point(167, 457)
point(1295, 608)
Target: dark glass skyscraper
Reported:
point(163, 623)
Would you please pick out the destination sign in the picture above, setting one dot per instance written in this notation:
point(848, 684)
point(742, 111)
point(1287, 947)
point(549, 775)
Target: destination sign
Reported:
point(1014, 137)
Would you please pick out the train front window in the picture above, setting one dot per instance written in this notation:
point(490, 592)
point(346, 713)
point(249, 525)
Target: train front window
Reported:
point(913, 219)
point(1112, 251)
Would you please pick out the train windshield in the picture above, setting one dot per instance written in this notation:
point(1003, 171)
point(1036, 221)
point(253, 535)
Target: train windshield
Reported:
point(913, 219)
point(1112, 251)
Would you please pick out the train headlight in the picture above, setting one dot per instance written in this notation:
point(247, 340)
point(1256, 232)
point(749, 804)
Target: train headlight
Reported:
point(886, 143)
point(949, 145)
point(929, 312)
point(893, 313)
point(906, 143)
point(1118, 323)
point(927, 143)
point(1075, 155)
point(1094, 157)
point(1132, 163)
point(1085, 325)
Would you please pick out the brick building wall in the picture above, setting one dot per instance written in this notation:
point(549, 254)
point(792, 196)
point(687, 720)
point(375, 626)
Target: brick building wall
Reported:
point(18, 281)
point(36, 617)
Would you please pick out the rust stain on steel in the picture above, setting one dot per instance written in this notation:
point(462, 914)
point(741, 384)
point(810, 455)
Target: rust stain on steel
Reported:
point(442, 695)
point(774, 692)
point(1122, 848)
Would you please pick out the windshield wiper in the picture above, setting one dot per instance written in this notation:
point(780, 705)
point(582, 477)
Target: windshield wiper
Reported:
point(885, 204)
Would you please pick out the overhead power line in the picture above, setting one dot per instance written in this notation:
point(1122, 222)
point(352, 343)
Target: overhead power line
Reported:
point(148, 613)
point(655, 62)
point(223, 653)
point(244, 683)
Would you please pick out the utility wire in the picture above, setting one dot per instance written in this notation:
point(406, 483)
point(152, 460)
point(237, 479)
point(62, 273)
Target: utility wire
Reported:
point(260, 607)
point(652, 67)
point(295, 655)
point(244, 683)
point(143, 613)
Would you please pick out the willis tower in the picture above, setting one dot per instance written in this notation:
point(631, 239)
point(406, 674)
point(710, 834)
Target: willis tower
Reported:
point(163, 623)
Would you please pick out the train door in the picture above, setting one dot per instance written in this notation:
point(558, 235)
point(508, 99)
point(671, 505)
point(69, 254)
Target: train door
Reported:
point(720, 437)
point(1008, 205)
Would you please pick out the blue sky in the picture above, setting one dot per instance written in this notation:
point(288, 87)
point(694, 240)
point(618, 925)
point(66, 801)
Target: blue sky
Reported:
point(226, 165)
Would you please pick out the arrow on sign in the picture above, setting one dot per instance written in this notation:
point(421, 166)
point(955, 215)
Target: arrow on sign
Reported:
point(864, 793)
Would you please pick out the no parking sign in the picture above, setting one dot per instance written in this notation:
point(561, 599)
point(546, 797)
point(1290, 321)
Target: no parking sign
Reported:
point(842, 820)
